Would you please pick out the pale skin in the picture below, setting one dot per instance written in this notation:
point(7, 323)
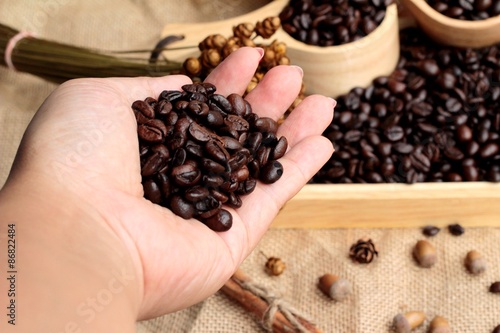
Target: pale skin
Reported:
point(93, 254)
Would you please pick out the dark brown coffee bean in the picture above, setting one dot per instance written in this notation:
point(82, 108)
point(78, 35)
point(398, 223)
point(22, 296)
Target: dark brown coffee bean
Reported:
point(280, 148)
point(464, 133)
point(186, 175)
point(231, 143)
point(456, 229)
point(247, 186)
point(403, 148)
point(152, 191)
point(212, 166)
point(453, 153)
point(196, 193)
point(266, 125)
point(222, 221)
point(153, 131)
point(394, 133)
point(181, 207)
point(216, 150)
point(489, 150)
point(429, 67)
point(271, 172)
point(241, 174)
point(262, 155)
point(470, 173)
point(430, 230)
point(152, 165)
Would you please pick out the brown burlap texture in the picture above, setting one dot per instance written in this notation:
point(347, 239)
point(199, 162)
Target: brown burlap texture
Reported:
point(391, 284)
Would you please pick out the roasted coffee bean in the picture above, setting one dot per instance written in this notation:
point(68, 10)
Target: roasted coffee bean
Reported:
point(266, 125)
point(216, 150)
point(186, 175)
point(196, 193)
point(152, 131)
point(280, 149)
point(152, 164)
point(144, 109)
point(222, 221)
point(430, 230)
point(247, 186)
point(271, 172)
point(467, 9)
point(489, 150)
point(152, 191)
point(456, 229)
point(181, 207)
point(394, 133)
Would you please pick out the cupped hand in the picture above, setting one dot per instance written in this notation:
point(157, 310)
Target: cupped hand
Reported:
point(83, 141)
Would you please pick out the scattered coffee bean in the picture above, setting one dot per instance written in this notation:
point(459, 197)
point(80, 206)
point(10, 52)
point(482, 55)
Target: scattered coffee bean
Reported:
point(456, 229)
point(335, 287)
point(439, 324)
point(199, 150)
point(430, 230)
point(474, 262)
point(425, 254)
point(495, 287)
point(404, 323)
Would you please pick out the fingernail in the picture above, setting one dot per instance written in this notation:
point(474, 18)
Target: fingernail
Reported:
point(298, 70)
point(334, 102)
point(261, 51)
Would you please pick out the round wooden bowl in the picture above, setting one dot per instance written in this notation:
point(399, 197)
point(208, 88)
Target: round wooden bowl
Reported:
point(454, 32)
point(330, 71)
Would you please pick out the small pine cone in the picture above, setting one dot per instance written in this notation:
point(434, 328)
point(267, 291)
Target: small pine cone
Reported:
point(243, 30)
point(210, 58)
point(216, 41)
point(268, 27)
point(363, 251)
point(228, 49)
point(192, 67)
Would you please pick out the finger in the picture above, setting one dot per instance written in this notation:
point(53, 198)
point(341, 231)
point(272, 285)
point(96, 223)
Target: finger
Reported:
point(300, 164)
point(142, 87)
point(276, 92)
point(235, 72)
point(316, 111)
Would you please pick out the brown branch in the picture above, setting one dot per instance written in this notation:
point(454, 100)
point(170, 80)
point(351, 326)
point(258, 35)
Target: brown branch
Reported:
point(258, 306)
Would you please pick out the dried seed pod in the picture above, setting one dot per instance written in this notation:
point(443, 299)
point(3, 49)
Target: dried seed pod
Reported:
point(210, 58)
point(474, 262)
point(216, 41)
point(192, 66)
point(439, 325)
point(268, 27)
point(334, 287)
point(404, 323)
point(243, 30)
point(275, 266)
point(425, 254)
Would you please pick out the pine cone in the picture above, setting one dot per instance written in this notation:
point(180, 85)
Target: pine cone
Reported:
point(268, 27)
point(363, 251)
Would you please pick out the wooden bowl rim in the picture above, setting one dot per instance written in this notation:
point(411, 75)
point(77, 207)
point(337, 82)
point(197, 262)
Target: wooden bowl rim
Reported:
point(442, 19)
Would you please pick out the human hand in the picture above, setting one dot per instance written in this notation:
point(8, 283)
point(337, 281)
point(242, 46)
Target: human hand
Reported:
point(82, 145)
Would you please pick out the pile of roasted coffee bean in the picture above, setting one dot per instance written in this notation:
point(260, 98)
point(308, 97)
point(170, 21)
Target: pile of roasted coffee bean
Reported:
point(200, 150)
point(467, 9)
point(327, 23)
point(435, 118)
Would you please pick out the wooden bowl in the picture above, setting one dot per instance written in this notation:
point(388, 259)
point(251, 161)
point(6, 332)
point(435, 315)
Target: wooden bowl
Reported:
point(330, 71)
point(454, 32)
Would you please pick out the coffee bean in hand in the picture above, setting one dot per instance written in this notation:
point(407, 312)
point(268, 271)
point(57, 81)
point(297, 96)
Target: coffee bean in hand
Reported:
point(199, 150)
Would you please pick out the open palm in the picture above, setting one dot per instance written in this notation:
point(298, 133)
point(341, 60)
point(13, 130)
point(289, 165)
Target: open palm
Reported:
point(84, 137)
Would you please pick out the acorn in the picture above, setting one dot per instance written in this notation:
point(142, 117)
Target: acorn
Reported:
point(404, 323)
point(474, 262)
point(439, 325)
point(335, 287)
point(425, 254)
